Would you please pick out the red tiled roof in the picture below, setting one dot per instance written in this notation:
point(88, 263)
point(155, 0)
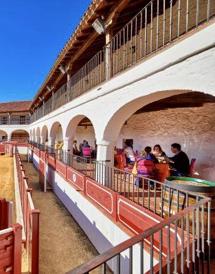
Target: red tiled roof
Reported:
point(15, 106)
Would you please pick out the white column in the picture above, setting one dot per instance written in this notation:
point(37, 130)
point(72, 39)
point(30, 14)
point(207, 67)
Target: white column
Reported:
point(67, 144)
point(51, 141)
point(38, 139)
point(42, 140)
point(105, 160)
point(9, 118)
point(105, 151)
point(43, 107)
point(9, 137)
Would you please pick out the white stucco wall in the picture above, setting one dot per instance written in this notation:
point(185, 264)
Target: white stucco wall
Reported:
point(85, 133)
point(9, 129)
point(185, 66)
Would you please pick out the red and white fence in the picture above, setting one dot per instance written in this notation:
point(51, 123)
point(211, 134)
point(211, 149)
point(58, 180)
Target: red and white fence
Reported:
point(30, 218)
point(10, 240)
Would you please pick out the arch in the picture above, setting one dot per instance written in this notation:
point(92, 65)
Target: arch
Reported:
point(38, 135)
point(44, 134)
point(20, 135)
point(3, 135)
point(31, 135)
point(119, 117)
point(187, 118)
point(34, 135)
point(56, 133)
point(80, 128)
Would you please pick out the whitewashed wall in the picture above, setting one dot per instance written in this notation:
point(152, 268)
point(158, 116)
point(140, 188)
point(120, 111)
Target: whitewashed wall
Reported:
point(186, 66)
point(85, 133)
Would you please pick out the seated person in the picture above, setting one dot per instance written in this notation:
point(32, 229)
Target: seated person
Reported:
point(146, 168)
point(75, 148)
point(129, 153)
point(158, 152)
point(86, 149)
point(148, 155)
point(180, 162)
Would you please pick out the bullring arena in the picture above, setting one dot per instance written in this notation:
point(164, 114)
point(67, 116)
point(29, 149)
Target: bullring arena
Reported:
point(110, 167)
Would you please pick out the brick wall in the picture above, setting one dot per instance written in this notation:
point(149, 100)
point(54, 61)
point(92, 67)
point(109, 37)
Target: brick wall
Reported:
point(193, 128)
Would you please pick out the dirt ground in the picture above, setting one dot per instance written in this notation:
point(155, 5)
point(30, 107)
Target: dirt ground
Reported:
point(63, 244)
point(7, 190)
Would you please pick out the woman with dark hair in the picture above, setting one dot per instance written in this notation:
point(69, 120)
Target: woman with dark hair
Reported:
point(158, 152)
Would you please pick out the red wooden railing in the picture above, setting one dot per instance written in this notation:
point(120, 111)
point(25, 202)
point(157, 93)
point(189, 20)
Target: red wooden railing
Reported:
point(30, 218)
point(5, 214)
point(11, 250)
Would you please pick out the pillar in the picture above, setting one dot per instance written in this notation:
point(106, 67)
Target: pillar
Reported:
point(105, 151)
point(105, 160)
point(108, 37)
point(67, 144)
point(9, 119)
point(42, 140)
point(68, 87)
point(51, 141)
point(38, 139)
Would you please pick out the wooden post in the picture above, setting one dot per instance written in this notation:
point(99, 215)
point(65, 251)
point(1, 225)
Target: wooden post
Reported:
point(35, 242)
point(108, 37)
point(17, 256)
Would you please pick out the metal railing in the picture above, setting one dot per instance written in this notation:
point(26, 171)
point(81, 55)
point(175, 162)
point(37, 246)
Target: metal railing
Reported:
point(191, 251)
point(158, 24)
point(149, 193)
point(15, 120)
point(180, 242)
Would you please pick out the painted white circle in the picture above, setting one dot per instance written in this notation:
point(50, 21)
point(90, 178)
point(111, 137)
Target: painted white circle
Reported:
point(74, 177)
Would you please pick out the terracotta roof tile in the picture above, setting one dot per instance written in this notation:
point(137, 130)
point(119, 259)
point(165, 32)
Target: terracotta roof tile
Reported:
point(15, 106)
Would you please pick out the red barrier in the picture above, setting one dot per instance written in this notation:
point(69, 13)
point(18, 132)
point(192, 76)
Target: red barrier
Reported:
point(76, 178)
point(61, 168)
point(5, 214)
point(101, 196)
point(11, 250)
point(52, 161)
point(42, 169)
point(43, 155)
point(139, 219)
point(2, 149)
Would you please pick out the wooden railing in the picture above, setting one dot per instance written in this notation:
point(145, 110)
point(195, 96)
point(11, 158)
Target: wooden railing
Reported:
point(30, 218)
point(11, 249)
point(157, 25)
point(15, 120)
point(190, 252)
point(6, 209)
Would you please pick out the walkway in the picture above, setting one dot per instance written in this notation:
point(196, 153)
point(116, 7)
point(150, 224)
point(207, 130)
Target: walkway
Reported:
point(63, 245)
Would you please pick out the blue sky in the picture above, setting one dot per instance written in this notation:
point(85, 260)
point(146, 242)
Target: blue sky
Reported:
point(32, 33)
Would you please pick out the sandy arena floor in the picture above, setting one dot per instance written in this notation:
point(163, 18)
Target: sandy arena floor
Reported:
point(7, 180)
point(63, 245)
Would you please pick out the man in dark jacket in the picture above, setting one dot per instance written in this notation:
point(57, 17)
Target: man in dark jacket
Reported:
point(180, 162)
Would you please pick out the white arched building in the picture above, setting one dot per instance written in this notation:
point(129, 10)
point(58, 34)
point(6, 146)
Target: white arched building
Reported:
point(184, 69)
point(15, 121)
point(141, 71)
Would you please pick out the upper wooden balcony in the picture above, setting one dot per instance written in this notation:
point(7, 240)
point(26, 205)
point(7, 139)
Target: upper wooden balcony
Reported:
point(157, 25)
